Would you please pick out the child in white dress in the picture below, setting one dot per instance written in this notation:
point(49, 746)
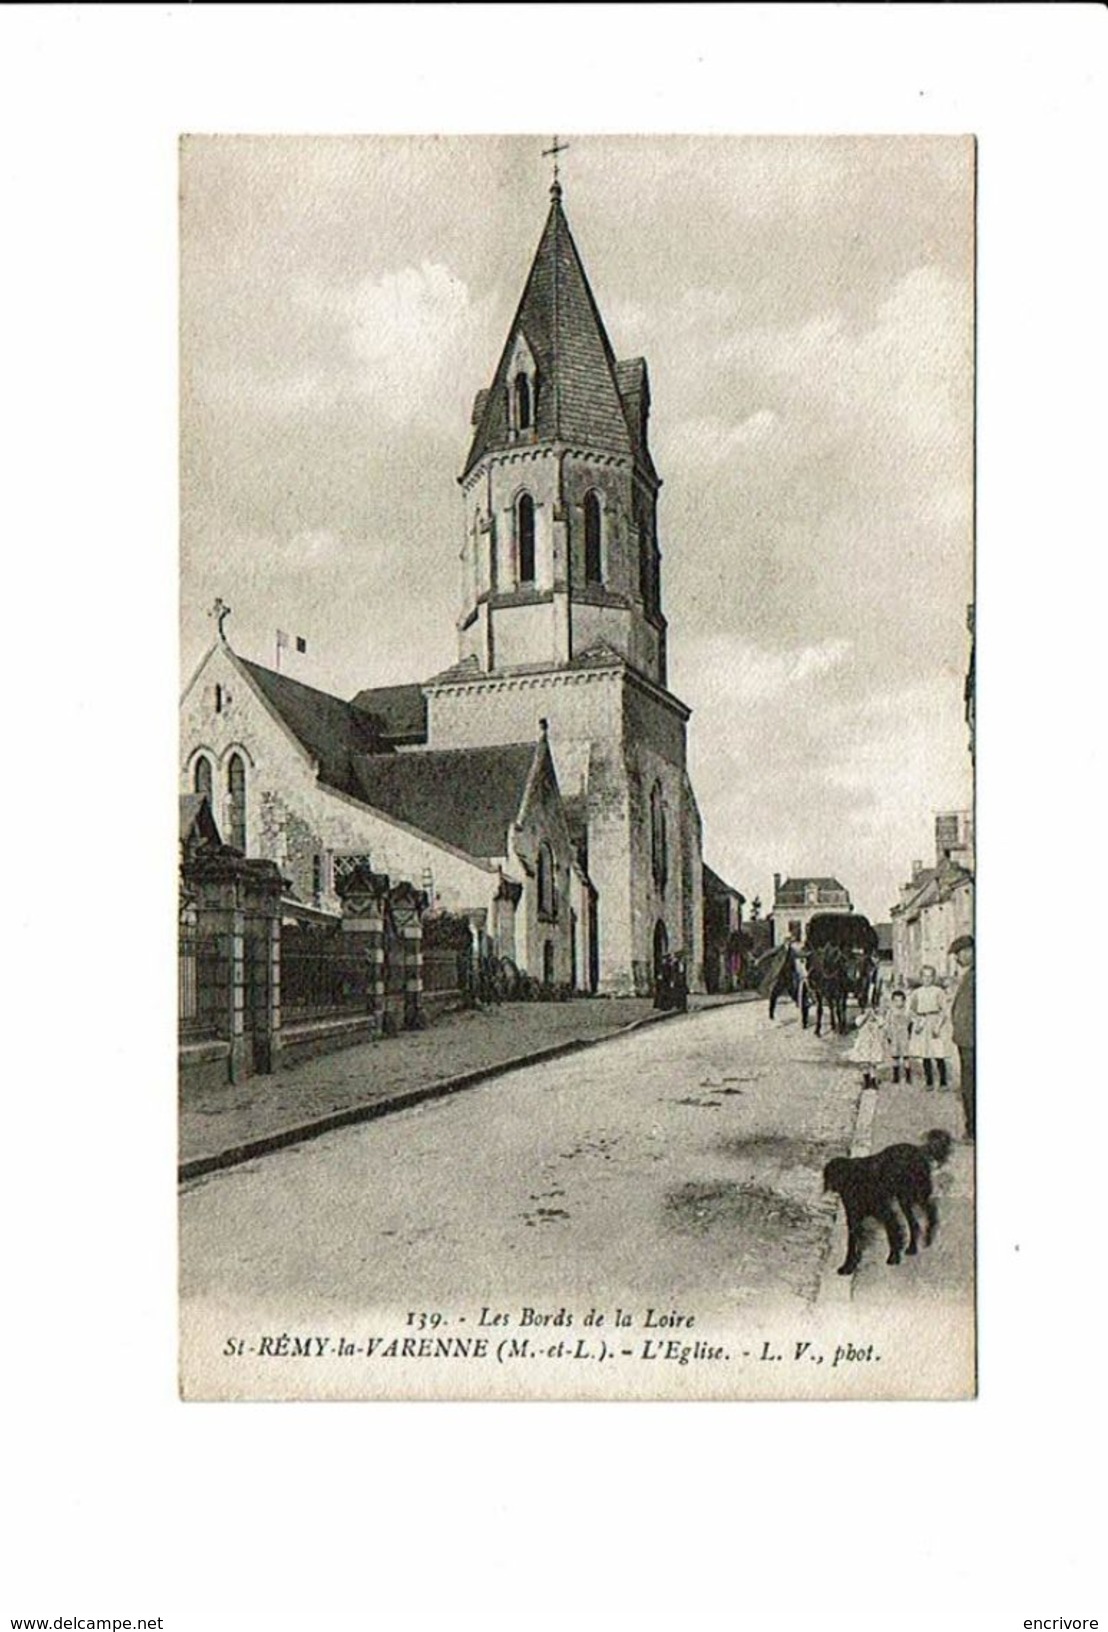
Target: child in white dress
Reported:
point(868, 1049)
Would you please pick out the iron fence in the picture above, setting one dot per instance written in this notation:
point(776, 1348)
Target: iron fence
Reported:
point(202, 985)
point(321, 979)
point(444, 971)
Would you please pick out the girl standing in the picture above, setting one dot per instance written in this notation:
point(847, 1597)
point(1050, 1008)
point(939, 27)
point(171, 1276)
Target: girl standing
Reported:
point(868, 1049)
point(898, 1026)
point(927, 1008)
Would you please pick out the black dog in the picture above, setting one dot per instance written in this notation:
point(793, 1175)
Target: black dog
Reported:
point(869, 1185)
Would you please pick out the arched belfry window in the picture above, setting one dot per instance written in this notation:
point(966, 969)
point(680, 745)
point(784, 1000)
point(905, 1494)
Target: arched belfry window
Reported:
point(202, 776)
point(593, 563)
point(236, 802)
point(523, 402)
point(659, 838)
point(525, 538)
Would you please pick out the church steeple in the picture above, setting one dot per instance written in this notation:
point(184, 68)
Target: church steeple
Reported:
point(575, 396)
point(560, 487)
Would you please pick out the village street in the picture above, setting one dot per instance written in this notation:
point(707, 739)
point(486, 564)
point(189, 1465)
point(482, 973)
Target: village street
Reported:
point(683, 1159)
point(668, 1180)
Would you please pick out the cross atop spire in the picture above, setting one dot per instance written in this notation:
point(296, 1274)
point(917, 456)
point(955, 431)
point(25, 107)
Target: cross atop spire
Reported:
point(552, 153)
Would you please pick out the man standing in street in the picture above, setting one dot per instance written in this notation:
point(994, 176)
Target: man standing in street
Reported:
point(962, 1031)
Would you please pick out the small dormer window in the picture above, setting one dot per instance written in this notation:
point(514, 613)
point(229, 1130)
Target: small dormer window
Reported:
point(524, 403)
point(522, 391)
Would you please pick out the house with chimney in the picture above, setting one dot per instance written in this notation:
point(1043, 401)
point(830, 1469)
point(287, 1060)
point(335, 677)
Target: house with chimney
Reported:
point(796, 901)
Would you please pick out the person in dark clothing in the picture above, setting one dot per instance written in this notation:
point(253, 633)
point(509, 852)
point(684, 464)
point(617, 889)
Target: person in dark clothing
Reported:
point(782, 977)
point(963, 1030)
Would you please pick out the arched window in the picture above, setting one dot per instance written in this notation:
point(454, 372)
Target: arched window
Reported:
point(593, 574)
point(659, 845)
point(236, 802)
point(524, 406)
point(548, 895)
point(202, 776)
point(525, 538)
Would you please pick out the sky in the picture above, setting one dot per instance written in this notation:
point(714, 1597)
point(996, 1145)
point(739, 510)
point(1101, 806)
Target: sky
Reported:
point(805, 306)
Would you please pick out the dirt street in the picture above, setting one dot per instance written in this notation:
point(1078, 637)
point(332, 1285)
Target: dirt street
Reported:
point(679, 1163)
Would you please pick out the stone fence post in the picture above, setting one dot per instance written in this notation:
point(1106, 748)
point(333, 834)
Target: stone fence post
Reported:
point(213, 885)
point(408, 906)
point(363, 894)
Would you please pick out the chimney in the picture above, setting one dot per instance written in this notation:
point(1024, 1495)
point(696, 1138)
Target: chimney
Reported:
point(917, 869)
point(776, 885)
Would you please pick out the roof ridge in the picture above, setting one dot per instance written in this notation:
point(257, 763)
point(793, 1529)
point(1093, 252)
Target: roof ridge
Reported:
point(291, 680)
point(443, 753)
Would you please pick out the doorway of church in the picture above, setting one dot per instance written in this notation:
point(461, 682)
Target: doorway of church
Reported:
point(661, 950)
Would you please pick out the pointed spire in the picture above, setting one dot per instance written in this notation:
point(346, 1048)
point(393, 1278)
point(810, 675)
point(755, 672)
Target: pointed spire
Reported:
point(557, 325)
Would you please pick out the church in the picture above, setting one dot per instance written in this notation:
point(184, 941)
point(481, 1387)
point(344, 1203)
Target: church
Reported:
point(556, 718)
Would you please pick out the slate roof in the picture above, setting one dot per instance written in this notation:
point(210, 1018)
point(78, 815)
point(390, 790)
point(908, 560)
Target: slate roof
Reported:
point(934, 884)
point(333, 731)
point(195, 819)
point(793, 891)
point(467, 797)
point(397, 713)
point(714, 885)
point(579, 396)
point(884, 933)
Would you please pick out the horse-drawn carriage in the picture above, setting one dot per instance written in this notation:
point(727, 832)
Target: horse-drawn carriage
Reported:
point(840, 962)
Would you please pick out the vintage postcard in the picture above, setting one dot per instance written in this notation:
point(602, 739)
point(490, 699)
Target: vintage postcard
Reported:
point(576, 907)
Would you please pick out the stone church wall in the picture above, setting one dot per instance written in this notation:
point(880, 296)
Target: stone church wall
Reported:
point(290, 817)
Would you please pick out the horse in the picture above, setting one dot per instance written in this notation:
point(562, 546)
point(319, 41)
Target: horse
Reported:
point(861, 978)
point(827, 985)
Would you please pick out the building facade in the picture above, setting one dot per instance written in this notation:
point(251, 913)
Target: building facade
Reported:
point(311, 782)
point(726, 948)
point(936, 904)
point(796, 901)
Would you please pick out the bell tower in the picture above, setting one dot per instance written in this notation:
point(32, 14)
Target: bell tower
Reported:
point(560, 554)
point(561, 615)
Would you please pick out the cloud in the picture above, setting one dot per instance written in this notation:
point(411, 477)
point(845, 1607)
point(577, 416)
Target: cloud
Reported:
point(414, 331)
point(715, 441)
point(405, 346)
point(815, 771)
point(730, 670)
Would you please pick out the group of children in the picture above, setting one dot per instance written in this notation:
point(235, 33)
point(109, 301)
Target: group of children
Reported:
point(906, 1030)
